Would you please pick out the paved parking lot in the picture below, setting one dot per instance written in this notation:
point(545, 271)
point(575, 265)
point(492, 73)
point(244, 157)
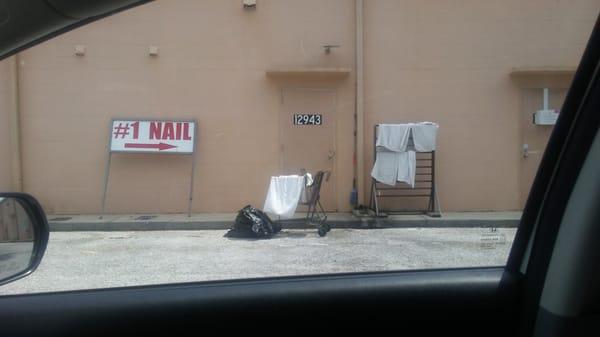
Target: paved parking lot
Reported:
point(83, 260)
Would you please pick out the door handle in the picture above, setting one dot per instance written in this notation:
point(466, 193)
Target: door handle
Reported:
point(331, 154)
point(526, 151)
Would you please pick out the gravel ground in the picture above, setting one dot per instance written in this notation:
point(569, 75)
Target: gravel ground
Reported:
point(86, 260)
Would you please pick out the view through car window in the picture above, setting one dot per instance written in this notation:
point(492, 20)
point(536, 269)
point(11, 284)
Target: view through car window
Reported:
point(186, 140)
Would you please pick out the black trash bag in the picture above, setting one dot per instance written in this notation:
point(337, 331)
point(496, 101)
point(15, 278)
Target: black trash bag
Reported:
point(253, 223)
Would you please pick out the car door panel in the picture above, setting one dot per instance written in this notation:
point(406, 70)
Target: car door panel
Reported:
point(462, 301)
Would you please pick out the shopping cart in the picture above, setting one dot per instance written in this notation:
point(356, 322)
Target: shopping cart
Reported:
point(311, 198)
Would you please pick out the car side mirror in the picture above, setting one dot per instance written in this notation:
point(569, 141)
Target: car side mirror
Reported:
point(23, 235)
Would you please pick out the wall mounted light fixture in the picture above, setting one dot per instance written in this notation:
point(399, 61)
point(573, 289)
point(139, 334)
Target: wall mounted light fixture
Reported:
point(79, 50)
point(153, 50)
point(249, 4)
point(329, 46)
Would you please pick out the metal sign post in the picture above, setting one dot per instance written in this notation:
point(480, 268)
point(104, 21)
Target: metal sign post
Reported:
point(151, 136)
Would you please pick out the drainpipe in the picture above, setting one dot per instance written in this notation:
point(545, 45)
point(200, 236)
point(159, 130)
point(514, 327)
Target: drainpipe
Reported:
point(360, 127)
point(14, 120)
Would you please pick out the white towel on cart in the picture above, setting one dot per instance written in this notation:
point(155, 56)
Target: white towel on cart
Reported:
point(283, 195)
point(304, 196)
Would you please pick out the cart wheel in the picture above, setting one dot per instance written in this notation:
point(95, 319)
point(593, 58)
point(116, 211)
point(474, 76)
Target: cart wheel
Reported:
point(322, 231)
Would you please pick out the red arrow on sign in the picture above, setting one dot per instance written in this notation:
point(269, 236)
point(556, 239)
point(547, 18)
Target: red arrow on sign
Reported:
point(159, 146)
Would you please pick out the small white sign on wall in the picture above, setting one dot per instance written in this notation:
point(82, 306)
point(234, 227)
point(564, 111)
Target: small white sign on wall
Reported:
point(153, 136)
point(545, 117)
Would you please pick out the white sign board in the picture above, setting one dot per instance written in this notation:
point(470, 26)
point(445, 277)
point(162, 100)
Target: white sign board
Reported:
point(545, 117)
point(153, 136)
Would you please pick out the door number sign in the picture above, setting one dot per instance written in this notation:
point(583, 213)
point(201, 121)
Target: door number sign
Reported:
point(308, 119)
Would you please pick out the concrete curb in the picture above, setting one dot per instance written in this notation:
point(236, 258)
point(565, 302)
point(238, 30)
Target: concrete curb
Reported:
point(366, 223)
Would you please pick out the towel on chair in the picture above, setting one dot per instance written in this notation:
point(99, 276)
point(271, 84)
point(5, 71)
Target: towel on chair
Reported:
point(396, 145)
point(407, 167)
point(424, 136)
point(391, 167)
point(283, 195)
point(393, 137)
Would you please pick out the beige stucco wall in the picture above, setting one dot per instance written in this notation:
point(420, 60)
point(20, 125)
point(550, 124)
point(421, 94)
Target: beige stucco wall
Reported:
point(211, 67)
point(5, 108)
point(449, 62)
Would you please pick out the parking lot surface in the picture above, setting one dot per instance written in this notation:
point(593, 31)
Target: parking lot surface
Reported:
point(85, 260)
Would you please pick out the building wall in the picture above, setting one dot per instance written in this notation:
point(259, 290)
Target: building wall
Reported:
point(212, 60)
point(450, 62)
point(5, 106)
point(447, 62)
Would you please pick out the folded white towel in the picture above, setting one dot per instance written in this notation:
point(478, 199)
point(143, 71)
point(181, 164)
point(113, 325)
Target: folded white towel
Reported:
point(424, 136)
point(393, 137)
point(407, 167)
point(391, 167)
point(395, 159)
point(386, 165)
point(283, 195)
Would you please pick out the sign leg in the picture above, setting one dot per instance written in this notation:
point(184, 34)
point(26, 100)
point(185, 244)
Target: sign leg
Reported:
point(106, 175)
point(191, 196)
